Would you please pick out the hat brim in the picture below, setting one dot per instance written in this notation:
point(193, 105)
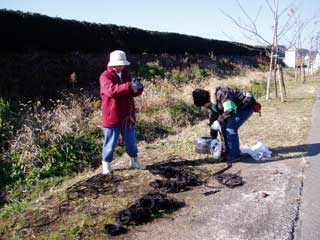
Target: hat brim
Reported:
point(118, 63)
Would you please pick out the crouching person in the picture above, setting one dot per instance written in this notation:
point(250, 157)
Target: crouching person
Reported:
point(117, 91)
point(231, 109)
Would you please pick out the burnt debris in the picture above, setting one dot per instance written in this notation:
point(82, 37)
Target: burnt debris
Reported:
point(143, 210)
point(179, 177)
point(94, 187)
point(230, 180)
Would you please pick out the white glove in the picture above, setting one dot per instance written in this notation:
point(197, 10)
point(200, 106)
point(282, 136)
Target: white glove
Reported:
point(216, 125)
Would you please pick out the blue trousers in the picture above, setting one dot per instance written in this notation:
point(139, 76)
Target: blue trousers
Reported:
point(230, 132)
point(111, 136)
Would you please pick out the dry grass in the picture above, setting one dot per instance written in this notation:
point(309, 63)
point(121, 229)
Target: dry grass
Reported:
point(158, 98)
point(43, 127)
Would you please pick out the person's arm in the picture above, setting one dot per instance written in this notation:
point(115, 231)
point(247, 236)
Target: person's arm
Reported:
point(229, 109)
point(224, 96)
point(114, 90)
point(213, 116)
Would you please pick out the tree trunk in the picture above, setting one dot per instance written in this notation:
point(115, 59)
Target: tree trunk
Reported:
point(303, 75)
point(280, 83)
point(275, 83)
point(270, 75)
point(283, 84)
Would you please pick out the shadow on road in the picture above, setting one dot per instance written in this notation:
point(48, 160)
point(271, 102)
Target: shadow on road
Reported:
point(278, 154)
point(291, 152)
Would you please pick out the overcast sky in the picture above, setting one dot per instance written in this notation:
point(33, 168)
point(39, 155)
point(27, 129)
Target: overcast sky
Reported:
point(202, 18)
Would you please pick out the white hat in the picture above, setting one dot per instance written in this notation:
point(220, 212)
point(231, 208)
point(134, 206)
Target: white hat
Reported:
point(118, 58)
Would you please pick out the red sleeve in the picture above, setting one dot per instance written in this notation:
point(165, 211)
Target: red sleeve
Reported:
point(137, 93)
point(114, 90)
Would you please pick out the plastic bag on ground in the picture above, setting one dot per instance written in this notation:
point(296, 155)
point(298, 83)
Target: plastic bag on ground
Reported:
point(257, 151)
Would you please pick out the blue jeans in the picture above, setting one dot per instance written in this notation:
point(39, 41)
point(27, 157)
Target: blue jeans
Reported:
point(111, 136)
point(230, 132)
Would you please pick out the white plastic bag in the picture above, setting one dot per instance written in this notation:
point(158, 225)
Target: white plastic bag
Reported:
point(257, 151)
point(216, 148)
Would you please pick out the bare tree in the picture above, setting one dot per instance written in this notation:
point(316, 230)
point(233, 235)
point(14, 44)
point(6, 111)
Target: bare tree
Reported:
point(283, 23)
point(314, 47)
point(300, 53)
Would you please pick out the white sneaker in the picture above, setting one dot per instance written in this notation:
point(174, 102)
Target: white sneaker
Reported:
point(106, 168)
point(135, 164)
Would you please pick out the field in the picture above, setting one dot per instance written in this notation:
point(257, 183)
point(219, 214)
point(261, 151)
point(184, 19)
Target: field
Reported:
point(59, 146)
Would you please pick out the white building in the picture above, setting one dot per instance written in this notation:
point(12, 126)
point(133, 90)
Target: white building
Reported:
point(311, 60)
point(290, 58)
point(315, 64)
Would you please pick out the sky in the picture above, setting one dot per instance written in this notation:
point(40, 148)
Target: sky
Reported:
point(202, 18)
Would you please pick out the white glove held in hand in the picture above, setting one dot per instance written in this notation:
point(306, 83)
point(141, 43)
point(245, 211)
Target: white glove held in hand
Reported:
point(216, 125)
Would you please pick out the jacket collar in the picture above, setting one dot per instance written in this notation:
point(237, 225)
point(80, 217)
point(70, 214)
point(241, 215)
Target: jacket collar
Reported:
point(112, 72)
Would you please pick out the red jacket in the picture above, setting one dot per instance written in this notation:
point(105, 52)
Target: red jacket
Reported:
point(118, 108)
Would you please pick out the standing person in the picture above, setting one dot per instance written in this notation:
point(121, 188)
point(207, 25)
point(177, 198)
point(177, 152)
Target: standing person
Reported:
point(232, 108)
point(117, 91)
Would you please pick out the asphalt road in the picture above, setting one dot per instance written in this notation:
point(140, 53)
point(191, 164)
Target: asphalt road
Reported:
point(266, 207)
point(309, 219)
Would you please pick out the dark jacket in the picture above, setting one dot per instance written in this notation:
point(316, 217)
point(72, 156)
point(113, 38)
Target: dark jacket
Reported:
point(117, 99)
point(241, 98)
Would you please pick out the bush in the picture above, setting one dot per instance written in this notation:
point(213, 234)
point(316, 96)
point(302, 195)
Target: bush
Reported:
point(151, 71)
point(258, 88)
point(198, 73)
point(4, 112)
point(177, 77)
point(70, 156)
point(5, 122)
point(51, 142)
point(183, 114)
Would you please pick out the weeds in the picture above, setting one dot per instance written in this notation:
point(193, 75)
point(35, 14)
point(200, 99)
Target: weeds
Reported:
point(52, 142)
point(184, 114)
point(6, 123)
point(150, 131)
point(289, 72)
point(151, 71)
point(14, 208)
point(258, 88)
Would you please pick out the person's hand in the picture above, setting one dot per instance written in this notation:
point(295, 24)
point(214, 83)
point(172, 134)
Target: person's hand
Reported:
point(216, 126)
point(135, 85)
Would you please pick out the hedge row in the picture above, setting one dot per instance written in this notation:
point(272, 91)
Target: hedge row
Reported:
point(21, 31)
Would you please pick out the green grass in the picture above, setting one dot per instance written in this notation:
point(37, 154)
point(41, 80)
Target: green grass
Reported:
point(150, 71)
point(26, 180)
point(14, 208)
point(258, 88)
point(184, 114)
